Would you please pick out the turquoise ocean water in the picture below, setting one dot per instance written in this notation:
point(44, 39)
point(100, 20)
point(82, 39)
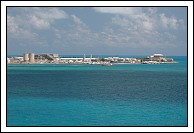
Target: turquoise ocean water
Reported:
point(92, 95)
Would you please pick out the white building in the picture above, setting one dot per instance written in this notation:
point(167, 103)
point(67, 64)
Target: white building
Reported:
point(26, 57)
point(31, 57)
point(157, 56)
point(8, 60)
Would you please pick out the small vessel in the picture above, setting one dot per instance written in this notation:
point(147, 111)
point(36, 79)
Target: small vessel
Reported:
point(106, 64)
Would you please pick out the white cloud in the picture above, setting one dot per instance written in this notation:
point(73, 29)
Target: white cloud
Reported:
point(121, 21)
point(22, 25)
point(119, 10)
point(38, 17)
point(128, 28)
point(51, 13)
point(147, 25)
point(15, 29)
point(79, 25)
point(77, 33)
point(43, 17)
point(169, 22)
point(76, 19)
point(149, 20)
point(141, 18)
point(38, 23)
point(138, 22)
point(181, 24)
point(47, 13)
point(138, 37)
point(145, 22)
point(11, 25)
point(152, 10)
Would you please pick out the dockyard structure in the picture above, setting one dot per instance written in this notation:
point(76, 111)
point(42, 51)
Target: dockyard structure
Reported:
point(159, 58)
point(84, 57)
point(31, 58)
point(90, 57)
point(26, 57)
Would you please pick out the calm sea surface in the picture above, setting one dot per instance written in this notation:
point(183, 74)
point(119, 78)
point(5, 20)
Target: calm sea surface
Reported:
point(92, 95)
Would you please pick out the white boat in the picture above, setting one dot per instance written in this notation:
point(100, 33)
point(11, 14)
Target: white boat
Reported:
point(106, 64)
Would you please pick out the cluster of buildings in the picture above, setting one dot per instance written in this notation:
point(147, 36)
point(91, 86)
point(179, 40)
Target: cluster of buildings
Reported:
point(31, 58)
point(157, 59)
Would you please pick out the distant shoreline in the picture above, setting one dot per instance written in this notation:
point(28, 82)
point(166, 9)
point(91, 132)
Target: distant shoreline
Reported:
point(81, 64)
point(32, 58)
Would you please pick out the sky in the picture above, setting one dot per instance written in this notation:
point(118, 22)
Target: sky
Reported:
point(97, 30)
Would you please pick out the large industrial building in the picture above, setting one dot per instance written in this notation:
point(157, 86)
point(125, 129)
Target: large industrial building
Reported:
point(28, 57)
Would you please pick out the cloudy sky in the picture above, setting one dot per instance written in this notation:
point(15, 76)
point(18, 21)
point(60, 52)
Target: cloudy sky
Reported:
point(97, 30)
